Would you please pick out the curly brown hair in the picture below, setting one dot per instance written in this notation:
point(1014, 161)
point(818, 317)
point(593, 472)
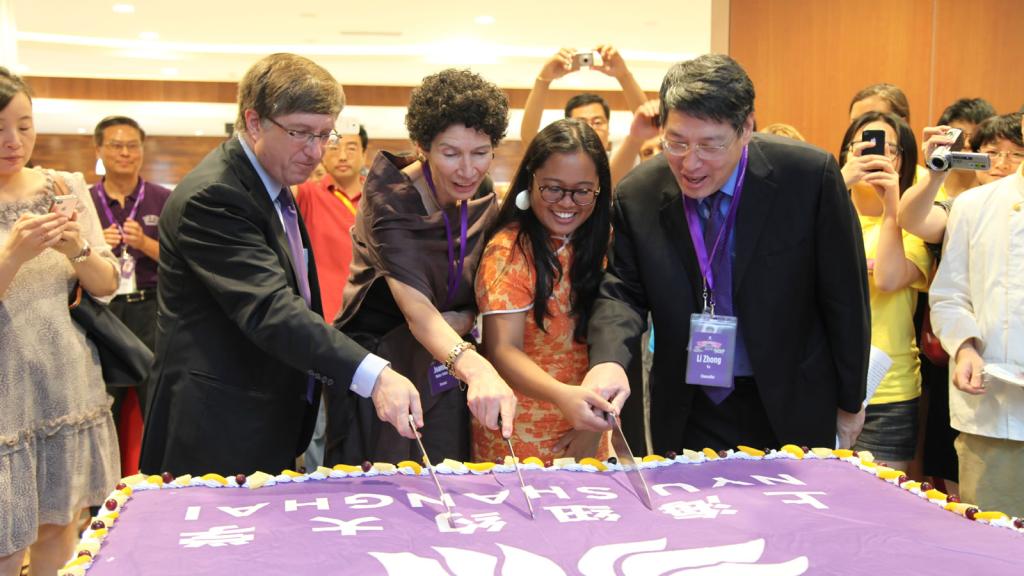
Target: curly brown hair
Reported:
point(456, 97)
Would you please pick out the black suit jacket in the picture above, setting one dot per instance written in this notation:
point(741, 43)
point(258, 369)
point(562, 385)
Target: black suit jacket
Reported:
point(235, 340)
point(799, 291)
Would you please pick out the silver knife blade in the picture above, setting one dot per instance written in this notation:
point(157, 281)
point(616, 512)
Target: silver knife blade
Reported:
point(515, 462)
point(629, 465)
point(430, 468)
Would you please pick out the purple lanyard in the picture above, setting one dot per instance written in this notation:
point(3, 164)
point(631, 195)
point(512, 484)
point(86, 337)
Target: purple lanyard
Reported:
point(105, 202)
point(454, 271)
point(690, 207)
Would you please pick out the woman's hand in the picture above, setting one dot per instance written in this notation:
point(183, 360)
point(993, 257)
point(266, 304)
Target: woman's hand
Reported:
point(858, 166)
point(578, 444)
point(71, 243)
point(932, 138)
point(557, 66)
point(887, 184)
point(31, 234)
point(487, 393)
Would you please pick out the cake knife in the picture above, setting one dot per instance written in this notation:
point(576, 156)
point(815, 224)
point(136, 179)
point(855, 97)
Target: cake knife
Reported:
point(430, 468)
point(515, 462)
point(629, 465)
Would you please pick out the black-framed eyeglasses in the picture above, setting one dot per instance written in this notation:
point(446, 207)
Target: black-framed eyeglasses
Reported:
point(306, 138)
point(553, 194)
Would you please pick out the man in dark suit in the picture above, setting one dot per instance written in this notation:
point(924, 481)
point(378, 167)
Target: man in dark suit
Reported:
point(242, 350)
point(789, 268)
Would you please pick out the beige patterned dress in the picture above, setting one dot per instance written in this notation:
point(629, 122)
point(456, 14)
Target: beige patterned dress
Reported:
point(58, 448)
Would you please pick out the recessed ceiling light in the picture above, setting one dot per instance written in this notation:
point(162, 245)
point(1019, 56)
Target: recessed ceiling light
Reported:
point(149, 36)
point(124, 8)
point(169, 71)
point(200, 133)
point(484, 20)
point(81, 130)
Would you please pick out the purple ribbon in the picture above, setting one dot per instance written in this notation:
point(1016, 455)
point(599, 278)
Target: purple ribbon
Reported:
point(454, 270)
point(704, 258)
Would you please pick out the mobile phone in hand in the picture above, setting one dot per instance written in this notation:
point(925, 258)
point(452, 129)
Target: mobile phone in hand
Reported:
point(64, 205)
point(878, 136)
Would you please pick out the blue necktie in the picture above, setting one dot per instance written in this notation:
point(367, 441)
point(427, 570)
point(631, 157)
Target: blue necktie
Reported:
point(721, 268)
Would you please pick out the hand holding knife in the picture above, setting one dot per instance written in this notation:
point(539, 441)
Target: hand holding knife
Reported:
point(629, 465)
point(522, 483)
point(433, 475)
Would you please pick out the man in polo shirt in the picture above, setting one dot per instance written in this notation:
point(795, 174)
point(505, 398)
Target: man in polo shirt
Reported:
point(328, 208)
point(129, 210)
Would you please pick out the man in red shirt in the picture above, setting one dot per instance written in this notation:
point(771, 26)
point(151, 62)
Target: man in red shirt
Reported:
point(328, 208)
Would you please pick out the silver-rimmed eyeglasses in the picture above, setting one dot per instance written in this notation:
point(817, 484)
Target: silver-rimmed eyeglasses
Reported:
point(306, 138)
point(703, 151)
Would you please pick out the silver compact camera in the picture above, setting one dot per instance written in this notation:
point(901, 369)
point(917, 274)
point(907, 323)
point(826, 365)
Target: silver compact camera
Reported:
point(951, 157)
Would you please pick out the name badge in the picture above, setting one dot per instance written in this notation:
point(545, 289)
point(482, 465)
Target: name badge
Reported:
point(440, 380)
point(711, 351)
point(126, 284)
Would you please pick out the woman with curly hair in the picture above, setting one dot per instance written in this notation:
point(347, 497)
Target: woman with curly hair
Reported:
point(535, 287)
point(409, 298)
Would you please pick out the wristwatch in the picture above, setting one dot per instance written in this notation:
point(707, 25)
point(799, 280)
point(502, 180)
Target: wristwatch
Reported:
point(81, 256)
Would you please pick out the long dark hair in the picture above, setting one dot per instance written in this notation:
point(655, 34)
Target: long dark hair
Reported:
point(589, 242)
point(907, 143)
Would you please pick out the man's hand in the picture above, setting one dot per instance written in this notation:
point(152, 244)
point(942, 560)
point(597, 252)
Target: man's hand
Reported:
point(967, 374)
point(848, 426)
point(608, 379)
point(583, 408)
point(133, 235)
point(395, 398)
point(112, 236)
point(645, 121)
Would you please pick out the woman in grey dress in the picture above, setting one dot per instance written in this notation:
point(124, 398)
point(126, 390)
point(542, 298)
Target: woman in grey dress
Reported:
point(58, 449)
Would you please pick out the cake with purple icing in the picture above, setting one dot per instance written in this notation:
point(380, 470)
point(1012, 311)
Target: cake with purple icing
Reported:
point(786, 512)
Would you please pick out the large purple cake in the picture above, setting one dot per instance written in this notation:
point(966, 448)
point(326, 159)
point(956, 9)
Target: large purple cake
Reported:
point(780, 514)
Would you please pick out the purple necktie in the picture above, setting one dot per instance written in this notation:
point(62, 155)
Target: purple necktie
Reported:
point(291, 230)
point(721, 268)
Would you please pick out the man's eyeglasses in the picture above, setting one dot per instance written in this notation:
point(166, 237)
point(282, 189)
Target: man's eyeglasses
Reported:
point(118, 146)
point(306, 138)
point(1008, 155)
point(703, 151)
point(553, 194)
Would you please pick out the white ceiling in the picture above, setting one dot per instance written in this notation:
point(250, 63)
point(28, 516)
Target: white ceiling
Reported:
point(365, 43)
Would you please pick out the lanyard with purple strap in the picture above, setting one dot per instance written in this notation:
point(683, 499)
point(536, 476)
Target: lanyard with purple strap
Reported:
point(454, 269)
point(127, 263)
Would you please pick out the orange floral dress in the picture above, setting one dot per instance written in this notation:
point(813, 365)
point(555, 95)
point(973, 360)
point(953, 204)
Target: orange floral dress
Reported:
point(504, 284)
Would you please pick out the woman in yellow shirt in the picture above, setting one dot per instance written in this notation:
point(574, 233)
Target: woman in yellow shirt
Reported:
point(898, 265)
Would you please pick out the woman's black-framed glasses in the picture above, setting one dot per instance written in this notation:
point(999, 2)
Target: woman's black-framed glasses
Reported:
point(553, 194)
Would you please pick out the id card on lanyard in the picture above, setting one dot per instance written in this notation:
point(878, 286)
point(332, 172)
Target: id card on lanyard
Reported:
point(126, 262)
point(711, 350)
point(440, 380)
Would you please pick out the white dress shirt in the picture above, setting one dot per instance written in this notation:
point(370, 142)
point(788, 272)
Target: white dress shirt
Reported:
point(978, 292)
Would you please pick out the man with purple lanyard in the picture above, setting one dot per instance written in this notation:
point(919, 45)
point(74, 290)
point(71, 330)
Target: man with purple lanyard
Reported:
point(746, 251)
point(129, 210)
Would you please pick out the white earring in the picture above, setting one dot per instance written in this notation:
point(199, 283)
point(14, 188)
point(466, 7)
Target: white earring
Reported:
point(523, 200)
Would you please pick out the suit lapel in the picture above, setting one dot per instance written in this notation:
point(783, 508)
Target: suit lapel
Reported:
point(251, 180)
point(754, 209)
point(673, 221)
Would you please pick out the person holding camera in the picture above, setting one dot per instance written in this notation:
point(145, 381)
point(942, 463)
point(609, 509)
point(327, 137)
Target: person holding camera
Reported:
point(589, 107)
point(879, 149)
point(58, 445)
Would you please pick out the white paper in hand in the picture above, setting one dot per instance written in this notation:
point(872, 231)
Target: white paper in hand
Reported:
point(879, 364)
point(1007, 373)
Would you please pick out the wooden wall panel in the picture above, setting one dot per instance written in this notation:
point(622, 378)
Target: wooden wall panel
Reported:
point(169, 158)
point(807, 59)
point(978, 53)
point(225, 92)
